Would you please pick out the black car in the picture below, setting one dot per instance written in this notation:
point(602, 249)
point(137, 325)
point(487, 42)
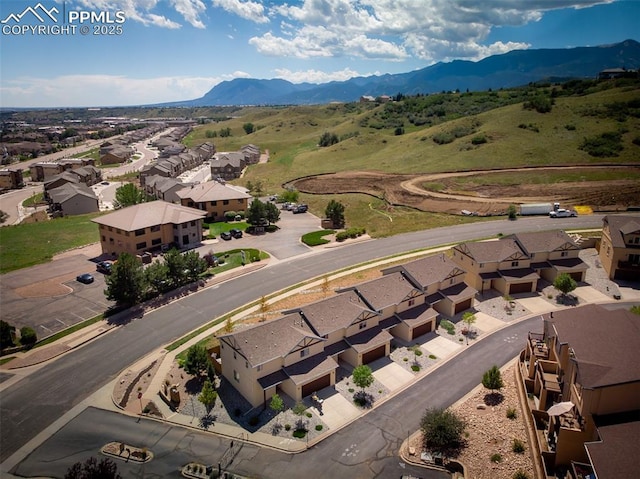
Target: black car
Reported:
point(226, 236)
point(300, 209)
point(104, 267)
point(85, 278)
point(236, 233)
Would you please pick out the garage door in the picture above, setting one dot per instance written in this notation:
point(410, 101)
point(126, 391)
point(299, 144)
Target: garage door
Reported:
point(374, 354)
point(520, 288)
point(420, 330)
point(316, 385)
point(464, 305)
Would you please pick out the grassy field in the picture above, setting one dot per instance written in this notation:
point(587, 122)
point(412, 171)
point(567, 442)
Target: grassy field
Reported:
point(515, 137)
point(34, 243)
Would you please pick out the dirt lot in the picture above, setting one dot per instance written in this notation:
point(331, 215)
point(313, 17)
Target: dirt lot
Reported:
point(484, 199)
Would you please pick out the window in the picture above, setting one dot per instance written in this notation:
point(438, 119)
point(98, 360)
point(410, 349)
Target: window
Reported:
point(142, 245)
point(214, 203)
point(156, 241)
point(140, 232)
point(236, 375)
point(362, 325)
point(185, 239)
point(304, 352)
point(225, 202)
point(564, 253)
point(110, 228)
point(412, 302)
point(193, 223)
point(104, 239)
point(514, 264)
point(155, 228)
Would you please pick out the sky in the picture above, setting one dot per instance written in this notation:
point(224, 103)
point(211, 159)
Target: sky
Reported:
point(91, 53)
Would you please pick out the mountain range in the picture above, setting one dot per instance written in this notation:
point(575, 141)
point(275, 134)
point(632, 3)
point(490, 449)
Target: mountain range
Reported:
point(512, 69)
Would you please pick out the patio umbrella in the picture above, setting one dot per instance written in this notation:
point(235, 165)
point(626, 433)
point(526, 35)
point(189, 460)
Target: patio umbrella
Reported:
point(560, 408)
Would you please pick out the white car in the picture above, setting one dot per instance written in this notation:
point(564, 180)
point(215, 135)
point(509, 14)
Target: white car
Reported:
point(562, 213)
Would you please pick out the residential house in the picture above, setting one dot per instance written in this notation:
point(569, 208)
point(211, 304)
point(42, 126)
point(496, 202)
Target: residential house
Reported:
point(115, 154)
point(227, 166)
point(11, 179)
point(442, 282)
point(620, 246)
point(150, 226)
point(72, 199)
point(586, 359)
point(499, 265)
point(552, 253)
point(164, 189)
point(44, 170)
point(205, 151)
point(87, 175)
point(214, 198)
point(251, 154)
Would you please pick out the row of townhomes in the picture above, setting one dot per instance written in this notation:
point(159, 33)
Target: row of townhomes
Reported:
point(229, 165)
point(11, 179)
point(582, 377)
point(299, 353)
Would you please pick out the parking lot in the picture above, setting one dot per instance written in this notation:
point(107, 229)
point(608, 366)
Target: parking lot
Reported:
point(48, 298)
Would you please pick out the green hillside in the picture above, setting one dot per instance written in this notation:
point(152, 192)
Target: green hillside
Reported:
point(437, 133)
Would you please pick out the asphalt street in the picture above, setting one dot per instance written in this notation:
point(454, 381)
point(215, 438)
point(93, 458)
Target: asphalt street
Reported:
point(37, 400)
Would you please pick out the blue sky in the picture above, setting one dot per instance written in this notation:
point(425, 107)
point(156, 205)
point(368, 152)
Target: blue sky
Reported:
point(168, 50)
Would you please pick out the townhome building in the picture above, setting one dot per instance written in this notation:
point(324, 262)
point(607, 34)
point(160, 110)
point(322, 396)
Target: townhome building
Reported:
point(149, 227)
point(620, 246)
point(164, 188)
point(214, 198)
point(72, 199)
point(11, 179)
point(300, 352)
point(228, 166)
point(44, 170)
point(582, 375)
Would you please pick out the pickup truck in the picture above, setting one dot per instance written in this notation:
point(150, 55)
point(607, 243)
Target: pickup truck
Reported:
point(562, 213)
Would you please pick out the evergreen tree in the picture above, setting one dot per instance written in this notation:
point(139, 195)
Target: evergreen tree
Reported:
point(127, 283)
point(492, 379)
point(197, 360)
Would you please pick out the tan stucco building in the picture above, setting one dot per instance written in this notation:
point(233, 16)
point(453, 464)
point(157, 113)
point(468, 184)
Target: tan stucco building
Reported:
point(214, 198)
point(620, 246)
point(149, 227)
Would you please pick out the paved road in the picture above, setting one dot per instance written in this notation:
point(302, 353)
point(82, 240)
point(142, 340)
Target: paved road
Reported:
point(36, 401)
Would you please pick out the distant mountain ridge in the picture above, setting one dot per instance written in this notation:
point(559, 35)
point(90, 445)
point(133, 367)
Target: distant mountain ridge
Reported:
point(512, 69)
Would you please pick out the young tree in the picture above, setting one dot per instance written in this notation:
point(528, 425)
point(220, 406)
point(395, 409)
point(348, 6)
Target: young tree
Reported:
point(27, 336)
point(208, 396)
point(276, 404)
point(197, 360)
point(272, 213)
point(127, 195)
point(248, 128)
point(512, 212)
point(7, 333)
point(468, 318)
point(442, 431)
point(194, 265)
point(335, 212)
point(492, 379)
point(175, 263)
point(264, 307)
point(92, 469)
point(126, 283)
point(362, 377)
point(564, 283)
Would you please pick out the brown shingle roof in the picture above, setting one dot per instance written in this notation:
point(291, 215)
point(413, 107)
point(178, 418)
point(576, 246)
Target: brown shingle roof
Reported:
point(429, 270)
point(605, 343)
point(335, 313)
point(619, 225)
point(211, 191)
point(388, 290)
point(267, 341)
point(145, 215)
point(545, 241)
point(616, 455)
point(418, 315)
point(492, 251)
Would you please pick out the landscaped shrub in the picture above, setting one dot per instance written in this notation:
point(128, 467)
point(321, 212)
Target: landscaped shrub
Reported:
point(432, 356)
point(27, 336)
point(319, 427)
point(287, 427)
point(309, 414)
point(299, 433)
point(520, 474)
point(448, 325)
point(350, 233)
point(511, 413)
point(496, 458)
point(415, 367)
point(518, 446)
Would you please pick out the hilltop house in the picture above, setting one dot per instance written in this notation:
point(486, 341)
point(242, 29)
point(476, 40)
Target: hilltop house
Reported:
point(585, 359)
point(148, 227)
point(620, 246)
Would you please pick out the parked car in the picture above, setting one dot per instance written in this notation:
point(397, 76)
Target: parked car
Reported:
point(562, 213)
point(291, 206)
point(226, 236)
point(85, 278)
point(300, 209)
point(236, 233)
point(104, 267)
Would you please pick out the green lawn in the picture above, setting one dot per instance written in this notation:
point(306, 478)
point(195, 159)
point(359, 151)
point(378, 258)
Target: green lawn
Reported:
point(221, 226)
point(316, 238)
point(233, 258)
point(28, 244)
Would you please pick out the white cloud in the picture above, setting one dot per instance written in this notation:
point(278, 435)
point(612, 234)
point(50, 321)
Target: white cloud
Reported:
point(317, 76)
point(248, 9)
point(190, 10)
point(395, 29)
point(82, 90)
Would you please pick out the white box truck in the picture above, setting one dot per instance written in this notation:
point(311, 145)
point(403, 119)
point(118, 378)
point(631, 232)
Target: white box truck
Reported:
point(536, 209)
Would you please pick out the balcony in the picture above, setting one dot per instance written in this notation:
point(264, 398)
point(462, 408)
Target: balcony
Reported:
point(629, 265)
